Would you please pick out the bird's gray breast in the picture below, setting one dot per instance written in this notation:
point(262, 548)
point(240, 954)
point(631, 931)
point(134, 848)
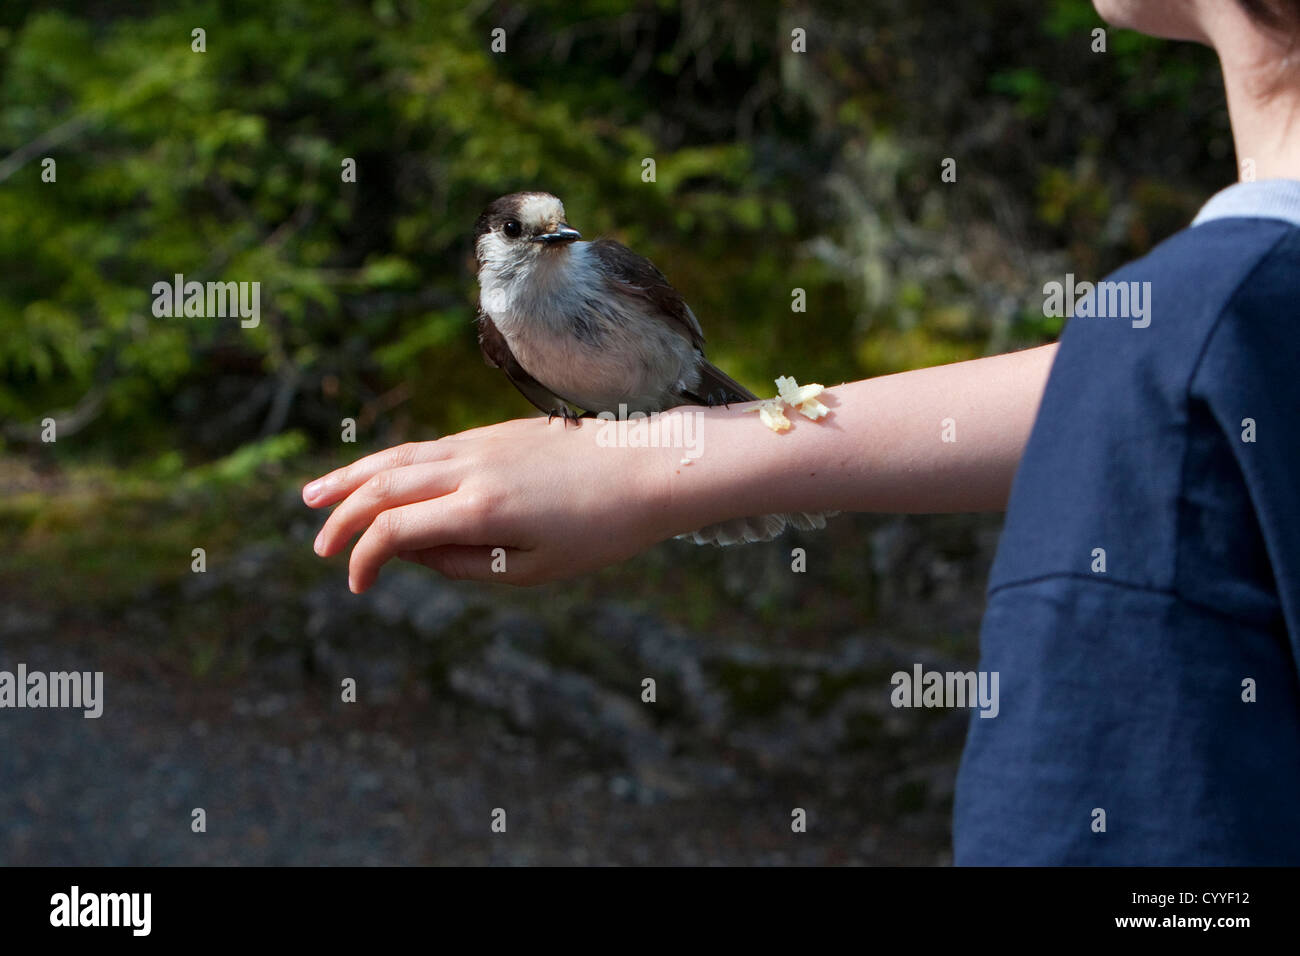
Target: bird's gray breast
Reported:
point(573, 330)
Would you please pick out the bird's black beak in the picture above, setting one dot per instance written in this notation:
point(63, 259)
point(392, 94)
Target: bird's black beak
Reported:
point(563, 233)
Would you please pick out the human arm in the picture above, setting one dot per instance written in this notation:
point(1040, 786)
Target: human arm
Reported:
point(562, 504)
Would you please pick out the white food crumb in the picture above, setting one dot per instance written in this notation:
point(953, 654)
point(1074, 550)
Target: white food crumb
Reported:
point(803, 398)
point(813, 409)
point(772, 415)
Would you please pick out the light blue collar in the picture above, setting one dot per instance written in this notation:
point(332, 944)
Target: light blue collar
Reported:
point(1266, 199)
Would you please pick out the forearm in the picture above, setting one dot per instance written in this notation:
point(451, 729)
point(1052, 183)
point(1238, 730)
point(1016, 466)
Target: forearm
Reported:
point(560, 500)
point(883, 447)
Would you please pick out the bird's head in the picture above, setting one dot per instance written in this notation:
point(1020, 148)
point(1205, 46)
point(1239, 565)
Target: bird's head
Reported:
point(521, 227)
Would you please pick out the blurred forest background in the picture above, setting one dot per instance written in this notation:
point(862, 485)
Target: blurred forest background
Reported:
point(775, 170)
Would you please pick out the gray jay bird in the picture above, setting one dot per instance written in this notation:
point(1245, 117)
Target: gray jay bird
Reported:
point(596, 326)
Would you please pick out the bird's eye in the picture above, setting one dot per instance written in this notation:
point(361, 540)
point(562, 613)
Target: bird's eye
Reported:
point(512, 228)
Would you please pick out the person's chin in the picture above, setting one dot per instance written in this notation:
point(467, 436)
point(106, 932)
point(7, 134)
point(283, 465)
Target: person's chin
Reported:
point(1167, 19)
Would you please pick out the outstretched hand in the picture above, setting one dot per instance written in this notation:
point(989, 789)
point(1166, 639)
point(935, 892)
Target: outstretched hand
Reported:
point(556, 502)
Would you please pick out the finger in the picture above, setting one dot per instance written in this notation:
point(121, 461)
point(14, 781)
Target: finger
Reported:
point(477, 563)
point(378, 493)
point(342, 481)
point(448, 520)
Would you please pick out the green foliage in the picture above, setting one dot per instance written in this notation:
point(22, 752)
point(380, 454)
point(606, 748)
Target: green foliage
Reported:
point(1034, 94)
point(239, 467)
point(775, 171)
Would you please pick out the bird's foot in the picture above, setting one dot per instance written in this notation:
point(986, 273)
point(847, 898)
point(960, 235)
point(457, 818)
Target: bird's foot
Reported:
point(718, 397)
point(565, 413)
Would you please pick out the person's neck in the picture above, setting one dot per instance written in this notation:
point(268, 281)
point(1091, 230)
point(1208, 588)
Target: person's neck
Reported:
point(1263, 104)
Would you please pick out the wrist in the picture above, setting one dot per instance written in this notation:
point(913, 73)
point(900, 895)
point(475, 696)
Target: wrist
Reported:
point(703, 474)
point(656, 471)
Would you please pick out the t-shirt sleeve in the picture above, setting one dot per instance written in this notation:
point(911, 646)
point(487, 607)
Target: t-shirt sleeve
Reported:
point(1249, 377)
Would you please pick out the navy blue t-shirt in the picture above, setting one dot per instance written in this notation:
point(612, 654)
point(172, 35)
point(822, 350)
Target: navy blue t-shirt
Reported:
point(1144, 606)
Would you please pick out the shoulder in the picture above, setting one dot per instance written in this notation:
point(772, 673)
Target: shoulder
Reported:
point(1159, 311)
point(1254, 340)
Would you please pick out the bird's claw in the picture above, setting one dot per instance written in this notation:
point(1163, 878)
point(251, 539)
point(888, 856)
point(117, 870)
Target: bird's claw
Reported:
point(718, 397)
point(566, 413)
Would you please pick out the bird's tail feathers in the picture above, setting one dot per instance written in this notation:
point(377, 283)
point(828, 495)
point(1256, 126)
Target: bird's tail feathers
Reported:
point(757, 528)
point(715, 382)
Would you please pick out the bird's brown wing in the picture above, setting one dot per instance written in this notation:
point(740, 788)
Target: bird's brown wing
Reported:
point(496, 352)
point(637, 275)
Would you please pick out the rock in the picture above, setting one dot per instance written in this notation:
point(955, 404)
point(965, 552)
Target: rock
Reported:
point(534, 696)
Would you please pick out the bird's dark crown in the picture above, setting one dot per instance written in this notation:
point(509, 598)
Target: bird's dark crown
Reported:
point(507, 207)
